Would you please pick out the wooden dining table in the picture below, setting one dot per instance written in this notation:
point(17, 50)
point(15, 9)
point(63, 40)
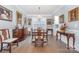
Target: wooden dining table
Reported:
point(39, 36)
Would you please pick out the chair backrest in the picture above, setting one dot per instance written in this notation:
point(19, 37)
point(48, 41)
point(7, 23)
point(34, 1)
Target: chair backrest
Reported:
point(0, 39)
point(40, 33)
point(5, 33)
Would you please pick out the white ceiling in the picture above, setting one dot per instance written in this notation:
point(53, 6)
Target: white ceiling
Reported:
point(44, 9)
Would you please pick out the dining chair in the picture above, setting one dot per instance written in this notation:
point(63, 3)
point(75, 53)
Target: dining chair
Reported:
point(6, 41)
point(39, 39)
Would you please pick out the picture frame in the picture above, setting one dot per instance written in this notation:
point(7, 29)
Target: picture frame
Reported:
point(49, 22)
point(18, 17)
point(61, 18)
point(5, 14)
point(73, 15)
point(25, 21)
point(29, 21)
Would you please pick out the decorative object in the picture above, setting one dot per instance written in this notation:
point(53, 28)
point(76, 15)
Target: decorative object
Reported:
point(73, 14)
point(61, 19)
point(19, 17)
point(5, 14)
point(63, 27)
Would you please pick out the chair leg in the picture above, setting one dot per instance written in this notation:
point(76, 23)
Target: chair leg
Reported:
point(1, 46)
point(42, 44)
point(35, 44)
point(9, 47)
point(17, 43)
point(73, 42)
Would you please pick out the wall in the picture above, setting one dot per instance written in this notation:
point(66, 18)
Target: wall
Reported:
point(35, 21)
point(72, 26)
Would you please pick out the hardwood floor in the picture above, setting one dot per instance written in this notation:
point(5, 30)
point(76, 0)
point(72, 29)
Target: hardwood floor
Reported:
point(53, 46)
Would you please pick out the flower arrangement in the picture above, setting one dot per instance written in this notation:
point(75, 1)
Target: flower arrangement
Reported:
point(63, 27)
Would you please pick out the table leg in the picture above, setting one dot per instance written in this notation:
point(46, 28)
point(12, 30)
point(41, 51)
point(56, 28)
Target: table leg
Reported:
point(47, 37)
point(35, 43)
point(56, 36)
point(42, 44)
point(67, 42)
point(73, 42)
point(51, 32)
point(60, 36)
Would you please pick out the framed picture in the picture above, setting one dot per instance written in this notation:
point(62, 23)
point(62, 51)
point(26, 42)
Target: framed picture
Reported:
point(29, 21)
point(61, 19)
point(73, 14)
point(19, 17)
point(49, 22)
point(25, 21)
point(5, 14)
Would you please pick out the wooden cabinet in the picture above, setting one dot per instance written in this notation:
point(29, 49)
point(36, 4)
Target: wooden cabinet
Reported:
point(74, 14)
point(19, 33)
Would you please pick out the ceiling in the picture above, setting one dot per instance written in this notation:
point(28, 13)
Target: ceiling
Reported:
point(39, 9)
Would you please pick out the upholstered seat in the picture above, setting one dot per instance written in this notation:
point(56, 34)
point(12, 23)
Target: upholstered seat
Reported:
point(10, 40)
point(40, 37)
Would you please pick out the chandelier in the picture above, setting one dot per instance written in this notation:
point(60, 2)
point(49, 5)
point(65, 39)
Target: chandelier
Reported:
point(39, 16)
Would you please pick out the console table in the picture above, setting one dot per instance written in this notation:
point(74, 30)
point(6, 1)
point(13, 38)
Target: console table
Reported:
point(50, 30)
point(68, 35)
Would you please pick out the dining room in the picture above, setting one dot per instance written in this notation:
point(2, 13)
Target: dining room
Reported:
point(37, 29)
